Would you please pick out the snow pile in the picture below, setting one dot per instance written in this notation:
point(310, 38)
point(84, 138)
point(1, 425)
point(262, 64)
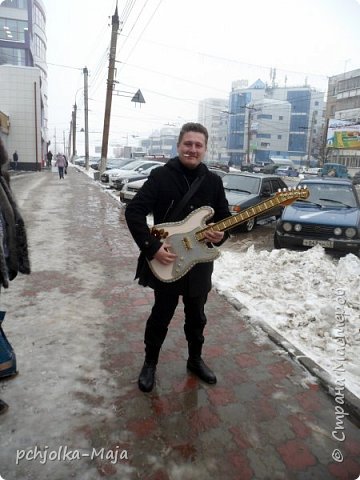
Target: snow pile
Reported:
point(310, 298)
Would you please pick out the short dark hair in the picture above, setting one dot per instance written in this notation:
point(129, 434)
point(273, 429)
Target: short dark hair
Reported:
point(193, 127)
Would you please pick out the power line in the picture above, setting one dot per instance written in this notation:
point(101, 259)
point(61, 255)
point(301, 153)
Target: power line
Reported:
point(143, 30)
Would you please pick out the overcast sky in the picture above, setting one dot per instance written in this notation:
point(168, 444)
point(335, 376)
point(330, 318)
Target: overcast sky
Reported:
point(179, 52)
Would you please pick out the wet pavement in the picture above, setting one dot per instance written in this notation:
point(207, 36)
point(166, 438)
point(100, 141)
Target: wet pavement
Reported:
point(77, 327)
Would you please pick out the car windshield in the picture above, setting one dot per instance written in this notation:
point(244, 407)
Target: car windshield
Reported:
point(241, 183)
point(118, 162)
point(326, 195)
point(134, 165)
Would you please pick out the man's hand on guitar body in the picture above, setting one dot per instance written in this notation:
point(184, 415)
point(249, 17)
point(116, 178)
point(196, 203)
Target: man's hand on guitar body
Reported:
point(164, 255)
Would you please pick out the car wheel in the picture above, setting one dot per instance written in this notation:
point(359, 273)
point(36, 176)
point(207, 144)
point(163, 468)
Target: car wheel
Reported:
point(276, 241)
point(248, 226)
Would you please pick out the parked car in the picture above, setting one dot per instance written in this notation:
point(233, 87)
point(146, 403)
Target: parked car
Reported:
point(94, 163)
point(120, 181)
point(246, 167)
point(270, 168)
point(114, 163)
point(79, 161)
point(335, 170)
point(356, 178)
point(219, 165)
point(330, 217)
point(130, 189)
point(287, 172)
point(117, 168)
point(218, 171)
point(111, 162)
point(312, 171)
point(246, 189)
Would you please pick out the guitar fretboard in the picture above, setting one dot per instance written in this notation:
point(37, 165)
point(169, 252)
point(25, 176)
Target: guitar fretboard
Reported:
point(241, 217)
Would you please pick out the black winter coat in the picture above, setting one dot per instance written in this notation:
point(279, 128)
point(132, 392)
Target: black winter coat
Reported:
point(163, 190)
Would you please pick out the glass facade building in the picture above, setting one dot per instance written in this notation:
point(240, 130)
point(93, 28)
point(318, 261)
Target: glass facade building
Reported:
point(23, 44)
point(269, 121)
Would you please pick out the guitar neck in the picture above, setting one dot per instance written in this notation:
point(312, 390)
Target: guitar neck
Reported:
point(231, 222)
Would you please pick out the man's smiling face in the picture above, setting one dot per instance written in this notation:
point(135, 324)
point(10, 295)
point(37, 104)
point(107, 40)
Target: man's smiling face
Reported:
point(192, 149)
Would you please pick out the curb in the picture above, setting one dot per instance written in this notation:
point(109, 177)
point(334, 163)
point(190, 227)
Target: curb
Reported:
point(351, 401)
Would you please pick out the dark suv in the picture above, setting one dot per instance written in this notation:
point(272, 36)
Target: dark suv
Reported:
point(244, 190)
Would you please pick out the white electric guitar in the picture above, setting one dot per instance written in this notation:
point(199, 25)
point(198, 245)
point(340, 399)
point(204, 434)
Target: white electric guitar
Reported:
point(186, 238)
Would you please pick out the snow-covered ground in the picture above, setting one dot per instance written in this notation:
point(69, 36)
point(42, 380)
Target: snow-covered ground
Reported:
point(310, 298)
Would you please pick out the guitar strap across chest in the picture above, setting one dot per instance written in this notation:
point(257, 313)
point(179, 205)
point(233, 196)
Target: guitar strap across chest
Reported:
point(189, 194)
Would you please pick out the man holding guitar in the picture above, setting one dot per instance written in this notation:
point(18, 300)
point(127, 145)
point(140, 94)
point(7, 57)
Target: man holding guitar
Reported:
point(172, 193)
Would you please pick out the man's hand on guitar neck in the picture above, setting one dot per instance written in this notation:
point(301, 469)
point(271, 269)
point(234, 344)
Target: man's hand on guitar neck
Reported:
point(164, 255)
point(213, 236)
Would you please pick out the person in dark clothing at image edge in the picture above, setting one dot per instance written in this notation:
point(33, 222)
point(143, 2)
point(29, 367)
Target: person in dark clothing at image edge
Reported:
point(14, 256)
point(161, 193)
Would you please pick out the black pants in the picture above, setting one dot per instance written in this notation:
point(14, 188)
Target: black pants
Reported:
point(160, 318)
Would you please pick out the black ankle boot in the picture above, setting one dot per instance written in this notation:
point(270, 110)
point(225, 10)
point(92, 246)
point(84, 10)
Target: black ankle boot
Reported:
point(146, 379)
point(197, 366)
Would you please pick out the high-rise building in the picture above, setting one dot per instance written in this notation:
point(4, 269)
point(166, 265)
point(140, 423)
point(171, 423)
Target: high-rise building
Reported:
point(270, 121)
point(213, 114)
point(23, 80)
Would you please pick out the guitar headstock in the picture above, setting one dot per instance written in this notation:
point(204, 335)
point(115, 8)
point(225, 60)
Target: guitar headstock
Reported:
point(291, 194)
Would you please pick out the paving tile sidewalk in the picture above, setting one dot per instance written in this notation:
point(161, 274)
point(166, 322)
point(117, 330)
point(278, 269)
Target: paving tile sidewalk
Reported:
point(77, 326)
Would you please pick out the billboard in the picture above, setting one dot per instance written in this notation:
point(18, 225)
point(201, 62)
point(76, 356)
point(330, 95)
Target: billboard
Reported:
point(343, 134)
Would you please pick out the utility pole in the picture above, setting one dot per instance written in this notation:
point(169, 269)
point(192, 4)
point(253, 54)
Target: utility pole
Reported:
point(324, 148)
point(74, 131)
point(55, 145)
point(250, 109)
point(310, 138)
point(248, 136)
point(109, 90)
point(86, 109)
point(69, 142)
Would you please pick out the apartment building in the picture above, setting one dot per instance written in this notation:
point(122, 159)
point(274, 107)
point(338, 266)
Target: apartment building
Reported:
point(23, 80)
point(343, 118)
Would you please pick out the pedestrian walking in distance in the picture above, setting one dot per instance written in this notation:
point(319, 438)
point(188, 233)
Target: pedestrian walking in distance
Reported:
point(49, 157)
point(61, 164)
point(15, 159)
point(165, 195)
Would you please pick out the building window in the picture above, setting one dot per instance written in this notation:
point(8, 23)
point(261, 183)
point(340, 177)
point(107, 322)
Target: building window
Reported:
point(22, 4)
point(263, 135)
point(12, 56)
point(263, 115)
point(279, 137)
point(40, 48)
point(12, 30)
point(281, 117)
point(39, 18)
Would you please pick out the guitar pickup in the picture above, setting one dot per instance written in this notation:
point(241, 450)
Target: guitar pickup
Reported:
point(187, 244)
